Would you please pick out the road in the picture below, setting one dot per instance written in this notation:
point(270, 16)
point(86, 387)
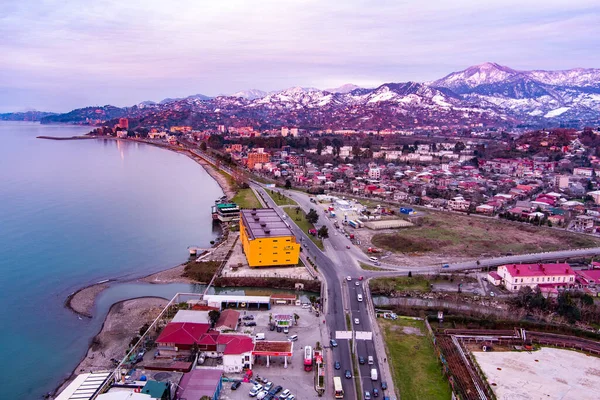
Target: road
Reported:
point(336, 264)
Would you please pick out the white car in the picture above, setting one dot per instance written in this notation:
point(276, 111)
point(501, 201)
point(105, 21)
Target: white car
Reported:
point(357, 283)
point(255, 390)
point(262, 395)
point(285, 394)
point(348, 278)
point(356, 321)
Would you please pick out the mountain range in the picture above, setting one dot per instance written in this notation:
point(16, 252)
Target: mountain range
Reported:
point(488, 94)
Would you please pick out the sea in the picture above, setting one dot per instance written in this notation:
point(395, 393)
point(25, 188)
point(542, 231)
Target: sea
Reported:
point(76, 212)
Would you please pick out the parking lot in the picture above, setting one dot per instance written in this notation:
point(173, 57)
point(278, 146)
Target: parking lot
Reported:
point(299, 382)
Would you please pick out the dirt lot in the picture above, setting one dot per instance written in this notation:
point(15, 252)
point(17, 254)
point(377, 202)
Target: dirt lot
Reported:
point(450, 235)
point(545, 374)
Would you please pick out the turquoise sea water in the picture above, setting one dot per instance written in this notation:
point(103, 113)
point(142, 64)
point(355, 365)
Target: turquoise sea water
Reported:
point(74, 213)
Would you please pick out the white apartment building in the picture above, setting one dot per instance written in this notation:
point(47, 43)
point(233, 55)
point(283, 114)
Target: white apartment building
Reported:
point(516, 276)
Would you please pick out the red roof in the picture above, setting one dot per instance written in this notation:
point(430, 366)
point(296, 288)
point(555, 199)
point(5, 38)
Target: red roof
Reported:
point(590, 275)
point(539, 269)
point(228, 319)
point(495, 275)
point(182, 333)
point(236, 344)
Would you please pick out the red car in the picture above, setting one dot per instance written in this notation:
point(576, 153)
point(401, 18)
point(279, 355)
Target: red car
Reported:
point(347, 246)
point(360, 278)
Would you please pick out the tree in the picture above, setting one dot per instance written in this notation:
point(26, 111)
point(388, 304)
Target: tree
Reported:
point(296, 318)
point(213, 317)
point(312, 216)
point(323, 232)
point(319, 148)
point(216, 141)
point(288, 184)
point(410, 274)
point(459, 146)
point(203, 146)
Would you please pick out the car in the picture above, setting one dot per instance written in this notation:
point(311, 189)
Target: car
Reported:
point(383, 385)
point(348, 374)
point(348, 278)
point(236, 385)
point(286, 330)
point(272, 327)
point(360, 278)
point(279, 329)
point(375, 392)
point(386, 398)
point(262, 394)
point(333, 343)
point(348, 246)
point(492, 294)
point(276, 389)
point(356, 321)
point(248, 317)
point(361, 360)
point(357, 283)
point(367, 395)
point(285, 394)
point(291, 397)
point(337, 365)
point(293, 338)
point(250, 324)
point(268, 386)
point(256, 389)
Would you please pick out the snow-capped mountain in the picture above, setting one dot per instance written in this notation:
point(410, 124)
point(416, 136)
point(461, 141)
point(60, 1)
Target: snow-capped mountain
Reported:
point(488, 94)
point(250, 94)
point(194, 96)
point(347, 88)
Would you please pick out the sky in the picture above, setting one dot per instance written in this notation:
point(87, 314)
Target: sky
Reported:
point(58, 55)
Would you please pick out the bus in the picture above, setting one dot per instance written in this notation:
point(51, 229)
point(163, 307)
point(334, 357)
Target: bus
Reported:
point(337, 387)
point(308, 358)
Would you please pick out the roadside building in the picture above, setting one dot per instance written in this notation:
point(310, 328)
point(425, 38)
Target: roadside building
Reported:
point(458, 204)
point(199, 383)
point(226, 212)
point(494, 278)
point(236, 351)
point(181, 336)
point(516, 276)
point(257, 157)
point(228, 320)
point(266, 239)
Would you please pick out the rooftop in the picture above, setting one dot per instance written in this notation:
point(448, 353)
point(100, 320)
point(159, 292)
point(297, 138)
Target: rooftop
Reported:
point(539, 269)
point(182, 333)
point(198, 383)
point(264, 222)
point(228, 319)
point(272, 347)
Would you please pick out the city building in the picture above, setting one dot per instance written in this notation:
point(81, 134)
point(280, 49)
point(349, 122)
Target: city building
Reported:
point(583, 171)
point(516, 276)
point(595, 195)
point(266, 239)
point(228, 320)
point(458, 204)
point(561, 181)
point(374, 173)
point(123, 123)
point(258, 157)
point(226, 212)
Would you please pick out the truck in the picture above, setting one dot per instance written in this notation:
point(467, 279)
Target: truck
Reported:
point(353, 224)
point(407, 211)
point(373, 374)
point(332, 213)
point(373, 250)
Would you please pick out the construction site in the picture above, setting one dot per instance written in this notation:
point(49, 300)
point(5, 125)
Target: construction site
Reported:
point(474, 375)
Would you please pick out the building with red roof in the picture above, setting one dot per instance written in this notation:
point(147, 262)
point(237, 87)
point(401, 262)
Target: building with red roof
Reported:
point(237, 352)
point(181, 335)
point(228, 320)
point(516, 276)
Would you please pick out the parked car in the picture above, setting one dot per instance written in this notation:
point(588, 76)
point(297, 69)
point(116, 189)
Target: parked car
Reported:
point(285, 394)
point(333, 343)
point(286, 330)
point(272, 327)
point(361, 360)
point(236, 385)
point(291, 397)
point(293, 338)
point(276, 390)
point(256, 389)
point(348, 374)
point(250, 324)
point(337, 365)
point(383, 385)
point(268, 386)
point(262, 394)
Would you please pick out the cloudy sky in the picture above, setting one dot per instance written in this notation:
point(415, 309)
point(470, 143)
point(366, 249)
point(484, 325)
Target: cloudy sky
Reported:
point(62, 54)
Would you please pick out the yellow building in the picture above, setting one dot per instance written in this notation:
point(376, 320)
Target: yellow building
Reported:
point(266, 239)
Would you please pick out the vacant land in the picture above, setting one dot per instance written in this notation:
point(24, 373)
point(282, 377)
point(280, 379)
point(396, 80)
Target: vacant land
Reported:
point(280, 199)
point(299, 217)
point(415, 367)
point(202, 271)
point(387, 285)
point(462, 236)
point(245, 198)
point(545, 374)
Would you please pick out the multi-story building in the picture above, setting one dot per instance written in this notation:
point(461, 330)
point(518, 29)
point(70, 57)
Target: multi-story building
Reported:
point(266, 239)
point(516, 276)
point(374, 173)
point(458, 204)
point(258, 158)
point(561, 181)
point(582, 171)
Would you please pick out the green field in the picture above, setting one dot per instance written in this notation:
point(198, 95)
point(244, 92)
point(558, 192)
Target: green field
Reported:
point(300, 219)
point(463, 236)
point(245, 198)
point(416, 371)
point(280, 199)
point(399, 284)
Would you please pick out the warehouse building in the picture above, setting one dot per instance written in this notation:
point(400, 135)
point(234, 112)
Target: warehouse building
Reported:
point(266, 239)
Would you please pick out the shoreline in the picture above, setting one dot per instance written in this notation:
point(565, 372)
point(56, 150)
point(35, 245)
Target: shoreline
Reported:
point(111, 340)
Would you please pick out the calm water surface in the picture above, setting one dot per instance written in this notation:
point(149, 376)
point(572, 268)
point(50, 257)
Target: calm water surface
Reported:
point(76, 212)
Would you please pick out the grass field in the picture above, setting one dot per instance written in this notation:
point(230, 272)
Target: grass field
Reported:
point(245, 198)
point(416, 370)
point(300, 219)
point(280, 199)
point(399, 284)
point(462, 236)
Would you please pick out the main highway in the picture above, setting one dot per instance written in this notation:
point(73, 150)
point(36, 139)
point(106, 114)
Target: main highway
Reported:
point(336, 264)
